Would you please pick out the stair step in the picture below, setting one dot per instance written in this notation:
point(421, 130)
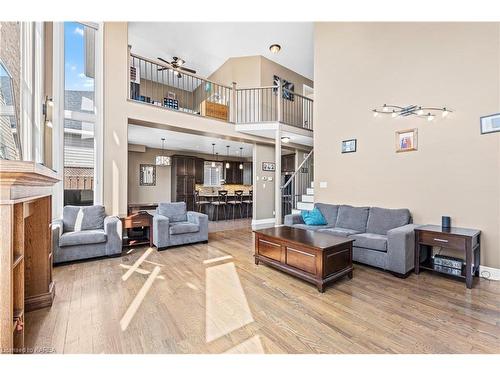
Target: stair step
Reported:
point(310, 191)
point(305, 206)
point(312, 184)
point(307, 198)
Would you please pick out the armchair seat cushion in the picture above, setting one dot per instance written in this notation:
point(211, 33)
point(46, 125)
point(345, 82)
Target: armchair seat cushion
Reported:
point(341, 232)
point(183, 227)
point(370, 241)
point(84, 237)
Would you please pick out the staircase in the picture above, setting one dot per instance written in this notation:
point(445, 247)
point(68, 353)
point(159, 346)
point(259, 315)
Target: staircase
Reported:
point(298, 192)
point(306, 201)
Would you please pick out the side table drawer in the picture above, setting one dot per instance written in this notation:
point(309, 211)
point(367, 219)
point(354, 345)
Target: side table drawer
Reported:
point(443, 240)
point(136, 222)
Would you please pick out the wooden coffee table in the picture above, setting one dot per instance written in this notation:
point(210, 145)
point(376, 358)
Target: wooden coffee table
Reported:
point(318, 258)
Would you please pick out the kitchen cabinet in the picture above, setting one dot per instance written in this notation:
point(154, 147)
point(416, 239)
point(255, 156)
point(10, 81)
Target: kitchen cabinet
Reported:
point(247, 173)
point(199, 170)
point(183, 180)
point(288, 163)
point(233, 174)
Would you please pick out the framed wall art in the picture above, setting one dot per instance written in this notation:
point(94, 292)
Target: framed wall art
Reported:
point(406, 140)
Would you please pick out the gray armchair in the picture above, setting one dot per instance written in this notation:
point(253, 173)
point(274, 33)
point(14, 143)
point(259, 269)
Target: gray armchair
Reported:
point(173, 225)
point(85, 232)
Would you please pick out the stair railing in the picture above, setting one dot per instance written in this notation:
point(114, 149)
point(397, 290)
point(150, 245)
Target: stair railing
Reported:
point(297, 184)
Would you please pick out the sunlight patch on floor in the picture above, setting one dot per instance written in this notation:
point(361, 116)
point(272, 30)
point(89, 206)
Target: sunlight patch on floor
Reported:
point(226, 306)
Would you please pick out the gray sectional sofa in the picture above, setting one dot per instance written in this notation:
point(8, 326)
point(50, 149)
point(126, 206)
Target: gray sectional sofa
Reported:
point(85, 232)
point(173, 225)
point(383, 237)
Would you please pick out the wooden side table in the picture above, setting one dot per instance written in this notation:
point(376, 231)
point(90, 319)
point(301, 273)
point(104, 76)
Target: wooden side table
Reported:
point(460, 239)
point(138, 220)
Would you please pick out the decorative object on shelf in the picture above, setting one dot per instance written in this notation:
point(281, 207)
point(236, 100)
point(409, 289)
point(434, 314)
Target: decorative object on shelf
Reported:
point(268, 166)
point(274, 48)
point(162, 160)
point(170, 95)
point(396, 111)
point(288, 88)
point(171, 103)
point(490, 123)
point(445, 222)
point(349, 145)
point(406, 140)
point(241, 156)
point(227, 162)
point(145, 99)
point(147, 175)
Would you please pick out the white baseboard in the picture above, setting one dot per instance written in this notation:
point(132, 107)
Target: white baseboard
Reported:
point(489, 273)
point(263, 223)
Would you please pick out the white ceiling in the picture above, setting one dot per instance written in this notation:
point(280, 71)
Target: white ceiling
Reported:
point(176, 141)
point(207, 45)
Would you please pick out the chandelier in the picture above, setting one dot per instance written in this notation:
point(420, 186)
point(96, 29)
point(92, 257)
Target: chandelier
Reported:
point(162, 160)
point(411, 110)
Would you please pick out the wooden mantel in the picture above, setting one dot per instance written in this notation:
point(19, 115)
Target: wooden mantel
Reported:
point(25, 247)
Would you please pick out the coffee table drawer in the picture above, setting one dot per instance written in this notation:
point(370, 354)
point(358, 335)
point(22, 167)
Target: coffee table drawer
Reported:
point(269, 249)
point(443, 240)
point(301, 260)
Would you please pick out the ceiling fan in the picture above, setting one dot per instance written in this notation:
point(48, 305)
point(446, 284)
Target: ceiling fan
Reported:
point(177, 65)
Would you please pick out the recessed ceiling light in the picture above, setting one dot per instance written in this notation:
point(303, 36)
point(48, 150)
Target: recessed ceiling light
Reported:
point(275, 48)
point(285, 139)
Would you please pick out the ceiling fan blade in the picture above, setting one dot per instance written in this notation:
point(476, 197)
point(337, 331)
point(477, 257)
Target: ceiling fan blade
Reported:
point(162, 69)
point(187, 70)
point(165, 61)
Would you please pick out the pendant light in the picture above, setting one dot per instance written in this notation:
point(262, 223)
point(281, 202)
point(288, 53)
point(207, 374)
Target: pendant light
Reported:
point(241, 156)
point(216, 159)
point(213, 155)
point(162, 160)
point(227, 162)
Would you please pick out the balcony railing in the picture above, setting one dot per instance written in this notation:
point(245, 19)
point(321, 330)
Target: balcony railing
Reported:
point(159, 84)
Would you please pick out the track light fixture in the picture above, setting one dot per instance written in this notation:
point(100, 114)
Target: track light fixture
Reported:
point(396, 111)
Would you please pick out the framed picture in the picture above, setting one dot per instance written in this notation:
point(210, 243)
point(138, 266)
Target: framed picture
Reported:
point(147, 175)
point(268, 166)
point(288, 88)
point(406, 140)
point(349, 146)
point(490, 124)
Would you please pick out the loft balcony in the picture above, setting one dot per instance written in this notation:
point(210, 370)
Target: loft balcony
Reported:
point(258, 111)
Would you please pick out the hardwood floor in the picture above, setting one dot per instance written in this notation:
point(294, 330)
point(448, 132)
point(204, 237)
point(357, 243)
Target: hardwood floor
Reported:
point(212, 298)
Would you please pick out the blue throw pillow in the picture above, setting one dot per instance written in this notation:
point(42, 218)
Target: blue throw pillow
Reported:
point(313, 217)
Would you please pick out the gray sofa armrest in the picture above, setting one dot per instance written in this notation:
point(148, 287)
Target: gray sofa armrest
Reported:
point(57, 231)
point(161, 232)
point(401, 249)
point(293, 219)
point(201, 220)
point(113, 229)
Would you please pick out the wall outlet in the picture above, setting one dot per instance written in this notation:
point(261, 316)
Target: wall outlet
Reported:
point(323, 184)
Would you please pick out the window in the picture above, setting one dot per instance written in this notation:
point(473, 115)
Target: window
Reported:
point(79, 113)
point(212, 173)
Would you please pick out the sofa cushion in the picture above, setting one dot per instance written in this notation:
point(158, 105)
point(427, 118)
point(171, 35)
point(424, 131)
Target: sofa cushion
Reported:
point(329, 212)
point(77, 218)
point(311, 227)
point(354, 218)
point(370, 241)
point(182, 227)
point(175, 211)
point(84, 237)
point(380, 220)
point(342, 232)
point(313, 217)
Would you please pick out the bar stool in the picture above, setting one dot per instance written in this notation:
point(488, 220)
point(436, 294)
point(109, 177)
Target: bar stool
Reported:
point(199, 203)
point(248, 202)
point(220, 201)
point(237, 202)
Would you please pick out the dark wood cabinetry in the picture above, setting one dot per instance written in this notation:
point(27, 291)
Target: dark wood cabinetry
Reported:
point(247, 173)
point(183, 179)
point(233, 174)
point(199, 166)
point(288, 163)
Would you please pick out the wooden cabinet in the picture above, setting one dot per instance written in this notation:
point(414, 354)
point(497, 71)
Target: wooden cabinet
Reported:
point(199, 171)
point(288, 163)
point(25, 247)
point(183, 179)
point(214, 110)
point(233, 174)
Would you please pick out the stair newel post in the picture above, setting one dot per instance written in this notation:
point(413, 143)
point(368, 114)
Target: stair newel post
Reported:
point(277, 178)
point(234, 99)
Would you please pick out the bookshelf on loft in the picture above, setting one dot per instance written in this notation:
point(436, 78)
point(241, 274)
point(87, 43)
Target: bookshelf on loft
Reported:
point(25, 247)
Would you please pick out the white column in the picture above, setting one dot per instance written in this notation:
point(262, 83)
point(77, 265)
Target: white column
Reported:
point(277, 177)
